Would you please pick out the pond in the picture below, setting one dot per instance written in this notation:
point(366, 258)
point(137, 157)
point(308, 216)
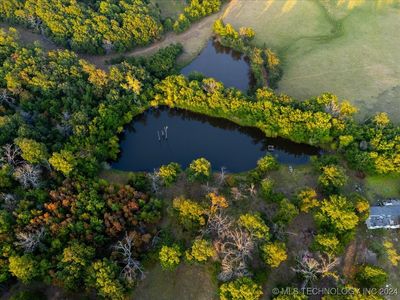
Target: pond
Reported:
point(223, 64)
point(145, 146)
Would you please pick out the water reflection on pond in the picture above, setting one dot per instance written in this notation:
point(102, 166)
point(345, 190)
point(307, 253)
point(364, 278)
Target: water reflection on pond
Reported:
point(223, 64)
point(190, 136)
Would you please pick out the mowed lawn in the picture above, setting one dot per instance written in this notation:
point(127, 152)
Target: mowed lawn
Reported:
point(350, 48)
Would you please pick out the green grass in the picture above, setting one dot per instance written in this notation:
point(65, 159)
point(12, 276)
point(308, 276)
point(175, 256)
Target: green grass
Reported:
point(186, 282)
point(170, 8)
point(116, 176)
point(382, 186)
point(345, 47)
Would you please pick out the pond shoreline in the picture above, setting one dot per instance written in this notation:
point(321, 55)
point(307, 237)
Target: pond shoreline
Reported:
point(163, 135)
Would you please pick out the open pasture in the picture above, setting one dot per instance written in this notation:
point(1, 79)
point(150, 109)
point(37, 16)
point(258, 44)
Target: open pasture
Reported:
point(345, 47)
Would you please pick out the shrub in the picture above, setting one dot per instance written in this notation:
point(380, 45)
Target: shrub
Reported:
point(332, 179)
point(5, 178)
point(103, 275)
point(201, 250)
point(191, 214)
point(139, 181)
point(169, 173)
point(24, 267)
point(274, 253)
point(200, 169)
point(307, 199)
point(371, 277)
point(255, 225)
point(32, 151)
point(287, 212)
point(392, 254)
point(267, 186)
point(169, 257)
point(266, 163)
point(241, 289)
point(327, 243)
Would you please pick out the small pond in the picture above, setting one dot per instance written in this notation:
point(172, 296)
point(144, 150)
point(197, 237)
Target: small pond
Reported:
point(144, 145)
point(223, 64)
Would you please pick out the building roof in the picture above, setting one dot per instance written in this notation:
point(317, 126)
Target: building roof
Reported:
point(386, 215)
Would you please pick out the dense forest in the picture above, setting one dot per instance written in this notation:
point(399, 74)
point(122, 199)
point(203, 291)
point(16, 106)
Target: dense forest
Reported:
point(61, 119)
point(97, 27)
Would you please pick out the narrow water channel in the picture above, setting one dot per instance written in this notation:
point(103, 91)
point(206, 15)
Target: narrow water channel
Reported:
point(145, 146)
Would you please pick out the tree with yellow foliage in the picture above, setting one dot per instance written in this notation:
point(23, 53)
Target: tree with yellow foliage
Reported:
point(332, 178)
point(274, 253)
point(255, 225)
point(217, 202)
point(307, 199)
point(200, 251)
point(191, 214)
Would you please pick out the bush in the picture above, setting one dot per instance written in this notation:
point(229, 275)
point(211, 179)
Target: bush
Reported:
point(200, 169)
point(332, 179)
point(25, 268)
point(169, 173)
point(241, 289)
point(267, 163)
point(6, 180)
point(371, 277)
point(307, 199)
point(274, 254)
point(103, 276)
point(327, 243)
point(201, 250)
point(169, 257)
point(286, 213)
point(255, 225)
point(267, 189)
point(191, 214)
point(139, 181)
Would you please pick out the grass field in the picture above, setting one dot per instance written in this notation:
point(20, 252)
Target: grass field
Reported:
point(186, 283)
point(170, 8)
point(382, 186)
point(345, 47)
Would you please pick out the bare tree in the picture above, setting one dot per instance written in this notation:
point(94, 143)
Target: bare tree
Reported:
point(28, 175)
point(10, 155)
point(35, 22)
point(218, 225)
point(208, 188)
point(332, 108)
point(235, 251)
point(252, 190)
point(236, 193)
point(64, 127)
point(209, 85)
point(155, 181)
point(9, 202)
point(222, 176)
point(108, 46)
point(311, 268)
point(29, 241)
point(132, 270)
point(6, 99)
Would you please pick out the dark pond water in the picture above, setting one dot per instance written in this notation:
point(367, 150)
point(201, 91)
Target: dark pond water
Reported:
point(191, 136)
point(223, 64)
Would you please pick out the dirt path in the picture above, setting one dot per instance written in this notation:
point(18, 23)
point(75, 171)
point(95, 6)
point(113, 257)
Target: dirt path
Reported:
point(193, 40)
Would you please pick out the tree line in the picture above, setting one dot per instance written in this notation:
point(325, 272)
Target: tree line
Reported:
point(101, 26)
point(264, 63)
